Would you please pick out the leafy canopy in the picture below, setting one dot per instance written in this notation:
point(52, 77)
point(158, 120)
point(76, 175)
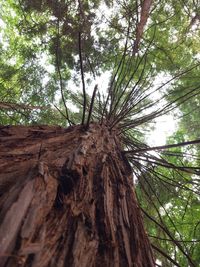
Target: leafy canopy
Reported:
point(54, 56)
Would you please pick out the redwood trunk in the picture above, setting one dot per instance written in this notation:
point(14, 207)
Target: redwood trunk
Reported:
point(67, 199)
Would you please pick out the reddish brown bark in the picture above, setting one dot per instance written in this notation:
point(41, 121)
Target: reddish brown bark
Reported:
point(67, 199)
point(145, 9)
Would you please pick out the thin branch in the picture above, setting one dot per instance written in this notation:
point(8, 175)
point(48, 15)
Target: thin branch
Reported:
point(122, 60)
point(193, 142)
point(82, 77)
point(11, 106)
point(165, 255)
point(59, 72)
point(91, 105)
point(181, 241)
point(62, 114)
point(169, 234)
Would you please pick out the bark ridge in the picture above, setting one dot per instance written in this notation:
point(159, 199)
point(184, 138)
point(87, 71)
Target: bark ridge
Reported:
point(67, 199)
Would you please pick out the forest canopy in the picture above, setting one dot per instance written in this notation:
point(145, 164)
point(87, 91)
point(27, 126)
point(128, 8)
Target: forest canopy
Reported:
point(122, 63)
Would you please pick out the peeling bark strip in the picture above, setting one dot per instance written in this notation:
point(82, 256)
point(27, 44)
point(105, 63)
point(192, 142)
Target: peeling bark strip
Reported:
point(145, 9)
point(67, 199)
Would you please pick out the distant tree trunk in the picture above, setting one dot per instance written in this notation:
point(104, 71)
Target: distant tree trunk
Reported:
point(67, 199)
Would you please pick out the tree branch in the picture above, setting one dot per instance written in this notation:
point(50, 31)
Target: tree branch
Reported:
point(165, 255)
point(145, 9)
point(193, 142)
point(91, 105)
point(59, 73)
point(82, 77)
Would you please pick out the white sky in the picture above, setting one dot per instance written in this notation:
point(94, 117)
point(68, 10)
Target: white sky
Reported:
point(164, 127)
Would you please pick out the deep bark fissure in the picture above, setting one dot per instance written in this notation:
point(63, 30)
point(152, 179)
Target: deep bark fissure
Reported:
point(67, 199)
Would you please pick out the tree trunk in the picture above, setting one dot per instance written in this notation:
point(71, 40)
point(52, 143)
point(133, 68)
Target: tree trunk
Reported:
point(67, 199)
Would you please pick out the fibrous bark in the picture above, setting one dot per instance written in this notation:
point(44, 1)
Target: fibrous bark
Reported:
point(67, 199)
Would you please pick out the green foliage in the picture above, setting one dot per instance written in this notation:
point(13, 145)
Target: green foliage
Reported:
point(51, 51)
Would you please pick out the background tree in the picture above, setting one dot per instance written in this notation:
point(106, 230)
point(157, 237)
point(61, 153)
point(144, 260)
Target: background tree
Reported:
point(67, 193)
